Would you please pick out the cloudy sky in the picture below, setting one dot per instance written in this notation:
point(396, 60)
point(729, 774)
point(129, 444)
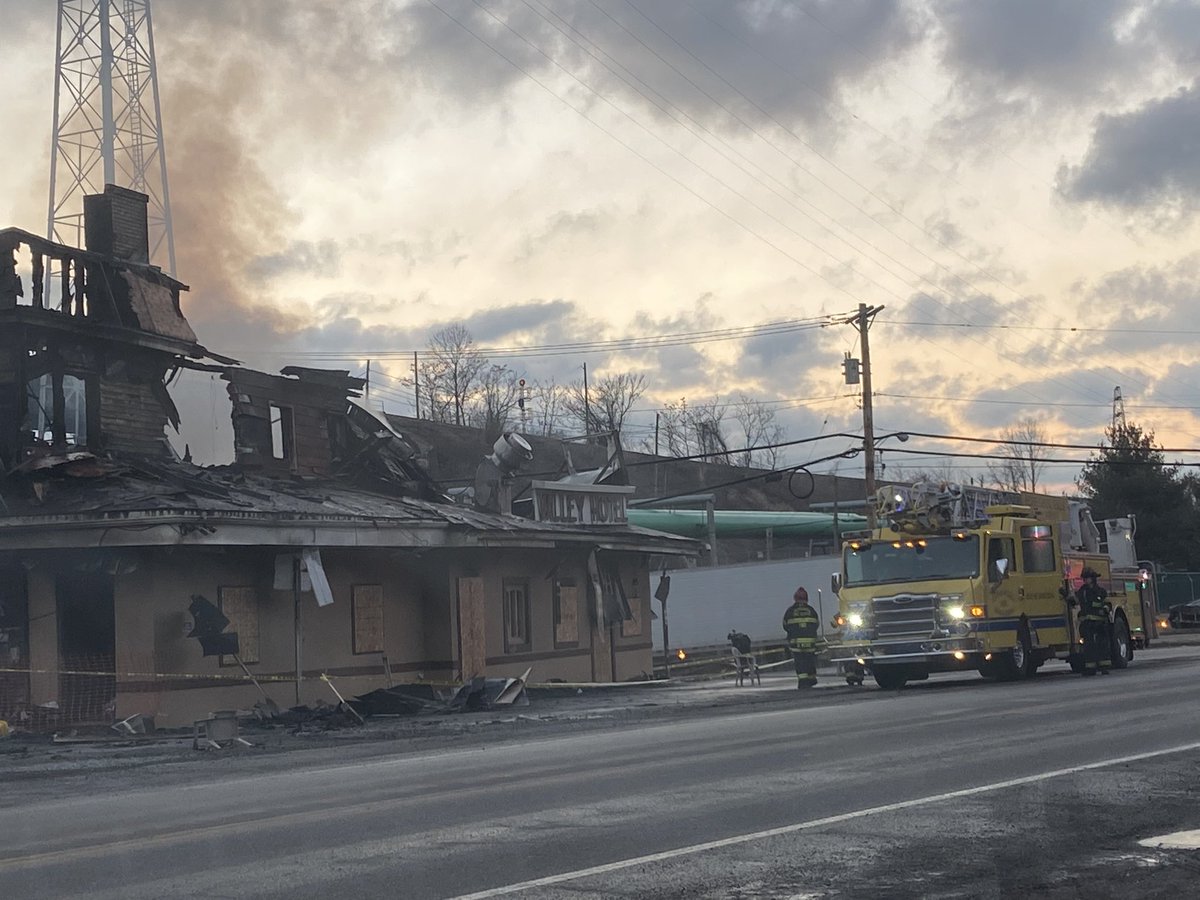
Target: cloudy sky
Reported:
point(349, 176)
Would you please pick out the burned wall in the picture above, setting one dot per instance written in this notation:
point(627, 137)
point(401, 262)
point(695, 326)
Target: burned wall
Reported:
point(165, 674)
point(282, 423)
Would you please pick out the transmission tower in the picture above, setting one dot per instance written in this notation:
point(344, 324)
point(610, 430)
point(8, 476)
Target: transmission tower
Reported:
point(1118, 415)
point(107, 118)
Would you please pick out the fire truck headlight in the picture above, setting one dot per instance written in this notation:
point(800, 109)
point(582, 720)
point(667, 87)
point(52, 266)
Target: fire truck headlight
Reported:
point(855, 620)
point(956, 612)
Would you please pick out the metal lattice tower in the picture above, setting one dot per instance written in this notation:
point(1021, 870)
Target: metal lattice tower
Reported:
point(107, 118)
point(1118, 414)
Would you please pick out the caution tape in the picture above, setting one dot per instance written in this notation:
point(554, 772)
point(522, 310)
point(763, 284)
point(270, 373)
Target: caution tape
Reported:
point(291, 679)
point(172, 676)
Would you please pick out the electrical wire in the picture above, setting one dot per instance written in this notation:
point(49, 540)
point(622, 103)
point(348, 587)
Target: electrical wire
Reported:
point(741, 332)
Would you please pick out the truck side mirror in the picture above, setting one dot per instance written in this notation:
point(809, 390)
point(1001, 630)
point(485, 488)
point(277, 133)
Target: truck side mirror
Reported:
point(835, 582)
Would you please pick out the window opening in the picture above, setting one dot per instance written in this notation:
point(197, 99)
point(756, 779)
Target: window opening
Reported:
point(40, 409)
point(566, 613)
point(1037, 549)
point(516, 616)
point(281, 432)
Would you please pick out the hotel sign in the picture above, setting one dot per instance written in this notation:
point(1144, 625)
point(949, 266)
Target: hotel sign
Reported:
point(580, 504)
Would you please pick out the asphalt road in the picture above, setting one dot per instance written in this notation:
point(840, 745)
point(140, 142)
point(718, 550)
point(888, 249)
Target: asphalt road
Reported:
point(954, 787)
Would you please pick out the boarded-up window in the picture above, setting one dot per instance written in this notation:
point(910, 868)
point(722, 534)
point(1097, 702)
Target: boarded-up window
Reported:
point(367, 614)
point(566, 613)
point(472, 627)
point(516, 616)
point(240, 606)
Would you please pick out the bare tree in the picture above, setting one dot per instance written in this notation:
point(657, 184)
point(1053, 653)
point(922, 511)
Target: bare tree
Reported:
point(694, 429)
point(756, 427)
point(450, 373)
point(548, 412)
point(675, 438)
point(706, 422)
point(493, 401)
point(1024, 464)
point(609, 400)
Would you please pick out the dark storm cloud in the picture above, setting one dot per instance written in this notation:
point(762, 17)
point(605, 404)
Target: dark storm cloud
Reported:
point(964, 309)
point(1147, 308)
point(321, 259)
point(679, 369)
point(328, 77)
point(787, 357)
point(1175, 25)
point(789, 57)
point(1145, 161)
point(1043, 47)
point(772, 61)
point(1076, 395)
point(561, 228)
point(554, 319)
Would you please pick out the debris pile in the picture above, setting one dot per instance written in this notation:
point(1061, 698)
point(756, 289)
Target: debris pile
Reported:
point(413, 699)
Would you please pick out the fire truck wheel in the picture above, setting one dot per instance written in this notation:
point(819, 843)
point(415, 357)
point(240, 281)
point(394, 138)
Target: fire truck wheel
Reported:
point(1122, 646)
point(890, 678)
point(1018, 662)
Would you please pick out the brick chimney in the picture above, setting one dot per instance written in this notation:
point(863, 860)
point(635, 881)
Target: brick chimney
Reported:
point(114, 224)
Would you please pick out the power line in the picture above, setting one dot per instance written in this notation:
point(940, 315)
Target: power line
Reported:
point(1069, 328)
point(1079, 462)
point(1017, 443)
point(1104, 405)
point(741, 332)
point(849, 177)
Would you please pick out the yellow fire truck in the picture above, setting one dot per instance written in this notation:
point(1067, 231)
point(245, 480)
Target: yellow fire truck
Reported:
point(949, 583)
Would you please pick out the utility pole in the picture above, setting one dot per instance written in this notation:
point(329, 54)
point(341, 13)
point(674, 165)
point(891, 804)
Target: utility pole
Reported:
point(862, 323)
point(837, 534)
point(416, 385)
point(367, 385)
point(587, 405)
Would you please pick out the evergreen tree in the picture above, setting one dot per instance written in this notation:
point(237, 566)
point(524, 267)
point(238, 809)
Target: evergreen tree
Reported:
point(1130, 476)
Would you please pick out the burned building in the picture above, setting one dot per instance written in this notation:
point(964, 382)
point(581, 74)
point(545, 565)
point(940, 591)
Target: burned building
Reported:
point(325, 546)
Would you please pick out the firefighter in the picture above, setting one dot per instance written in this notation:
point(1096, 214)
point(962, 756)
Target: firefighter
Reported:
point(1094, 624)
point(801, 622)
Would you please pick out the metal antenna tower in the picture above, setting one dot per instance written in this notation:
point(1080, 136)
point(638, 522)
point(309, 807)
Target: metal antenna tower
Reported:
point(107, 118)
point(1118, 415)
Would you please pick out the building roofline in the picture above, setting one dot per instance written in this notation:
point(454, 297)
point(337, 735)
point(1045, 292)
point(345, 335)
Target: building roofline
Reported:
point(195, 527)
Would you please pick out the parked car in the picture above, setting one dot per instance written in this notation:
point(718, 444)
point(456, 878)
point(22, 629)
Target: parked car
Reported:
point(1184, 615)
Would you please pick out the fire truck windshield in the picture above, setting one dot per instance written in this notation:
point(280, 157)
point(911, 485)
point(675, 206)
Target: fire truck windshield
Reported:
point(912, 559)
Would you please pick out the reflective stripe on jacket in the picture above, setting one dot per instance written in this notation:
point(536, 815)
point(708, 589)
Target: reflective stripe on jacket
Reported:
point(1091, 603)
point(801, 624)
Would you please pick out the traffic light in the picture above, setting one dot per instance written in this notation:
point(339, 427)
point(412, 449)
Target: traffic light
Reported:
point(850, 369)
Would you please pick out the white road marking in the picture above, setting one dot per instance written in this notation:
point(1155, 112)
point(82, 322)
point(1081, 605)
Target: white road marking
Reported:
point(617, 866)
point(1179, 840)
